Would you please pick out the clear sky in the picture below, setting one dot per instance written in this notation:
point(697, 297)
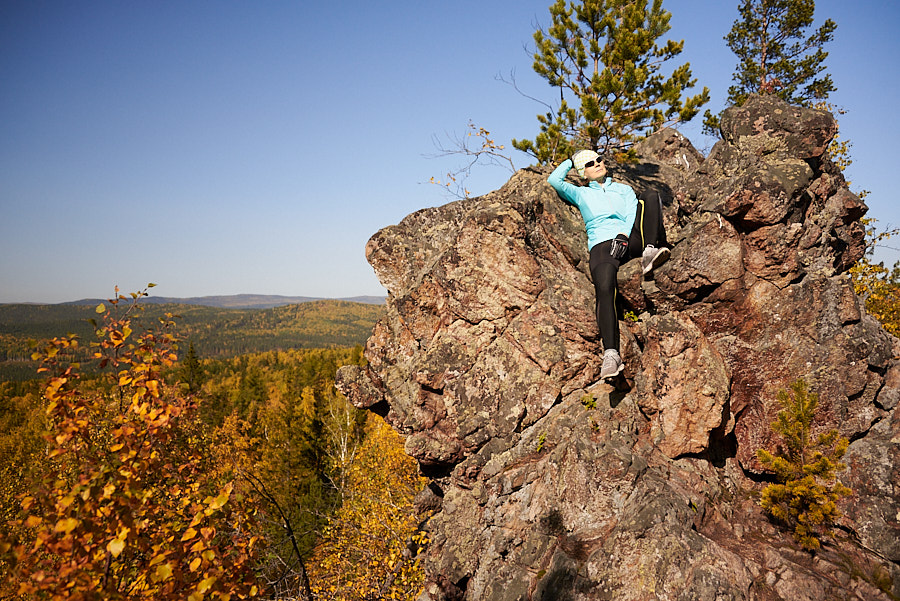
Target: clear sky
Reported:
point(227, 147)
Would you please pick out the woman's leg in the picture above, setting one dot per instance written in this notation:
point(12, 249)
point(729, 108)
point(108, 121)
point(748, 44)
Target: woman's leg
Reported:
point(603, 271)
point(648, 227)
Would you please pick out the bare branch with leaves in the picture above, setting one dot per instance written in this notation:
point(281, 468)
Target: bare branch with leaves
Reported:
point(489, 153)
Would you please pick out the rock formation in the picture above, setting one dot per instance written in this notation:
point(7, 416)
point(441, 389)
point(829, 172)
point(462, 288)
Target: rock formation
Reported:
point(552, 485)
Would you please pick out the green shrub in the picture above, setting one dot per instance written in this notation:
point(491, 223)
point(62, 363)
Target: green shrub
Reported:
point(805, 497)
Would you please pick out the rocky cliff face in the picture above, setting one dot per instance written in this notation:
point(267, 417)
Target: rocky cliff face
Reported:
point(549, 484)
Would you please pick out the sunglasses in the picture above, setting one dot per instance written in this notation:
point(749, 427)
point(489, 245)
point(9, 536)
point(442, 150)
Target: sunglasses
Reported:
point(590, 164)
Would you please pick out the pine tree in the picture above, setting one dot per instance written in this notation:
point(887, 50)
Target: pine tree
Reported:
point(603, 57)
point(805, 497)
point(777, 55)
point(192, 370)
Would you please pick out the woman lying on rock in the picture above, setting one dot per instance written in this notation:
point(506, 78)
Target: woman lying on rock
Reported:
point(619, 227)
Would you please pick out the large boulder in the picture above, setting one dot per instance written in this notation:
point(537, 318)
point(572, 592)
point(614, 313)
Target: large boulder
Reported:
point(547, 483)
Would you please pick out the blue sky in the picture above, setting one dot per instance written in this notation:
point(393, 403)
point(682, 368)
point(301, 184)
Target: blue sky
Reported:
point(253, 147)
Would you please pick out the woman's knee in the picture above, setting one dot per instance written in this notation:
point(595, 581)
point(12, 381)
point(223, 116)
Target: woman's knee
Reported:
point(606, 287)
point(604, 280)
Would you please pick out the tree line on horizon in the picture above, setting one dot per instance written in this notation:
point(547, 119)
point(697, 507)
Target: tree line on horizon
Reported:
point(214, 332)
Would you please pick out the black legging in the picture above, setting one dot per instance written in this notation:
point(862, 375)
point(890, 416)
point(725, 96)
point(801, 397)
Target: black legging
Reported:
point(648, 226)
point(648, 230)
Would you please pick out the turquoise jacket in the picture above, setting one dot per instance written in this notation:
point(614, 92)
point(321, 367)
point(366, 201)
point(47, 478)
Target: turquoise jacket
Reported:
point(608, 209)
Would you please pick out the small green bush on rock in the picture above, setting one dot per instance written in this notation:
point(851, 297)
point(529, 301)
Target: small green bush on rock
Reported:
point(805, 497)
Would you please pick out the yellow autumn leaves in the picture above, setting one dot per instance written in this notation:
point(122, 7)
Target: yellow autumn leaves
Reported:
point(125, 507)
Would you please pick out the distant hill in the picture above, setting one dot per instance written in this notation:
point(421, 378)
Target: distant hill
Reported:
point(215, 332)
point(238, 301)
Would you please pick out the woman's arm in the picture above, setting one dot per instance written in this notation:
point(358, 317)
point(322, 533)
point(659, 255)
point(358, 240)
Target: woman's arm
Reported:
point(557, 179)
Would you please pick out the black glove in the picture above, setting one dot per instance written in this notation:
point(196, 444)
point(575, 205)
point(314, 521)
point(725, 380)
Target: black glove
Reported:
point(619, 246)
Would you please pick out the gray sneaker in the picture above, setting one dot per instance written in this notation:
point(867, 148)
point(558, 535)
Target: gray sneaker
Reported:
point(612, 364)
point(654, 257)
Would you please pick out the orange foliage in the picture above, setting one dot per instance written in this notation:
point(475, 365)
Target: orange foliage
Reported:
point(125, 508)
point(876, 284)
